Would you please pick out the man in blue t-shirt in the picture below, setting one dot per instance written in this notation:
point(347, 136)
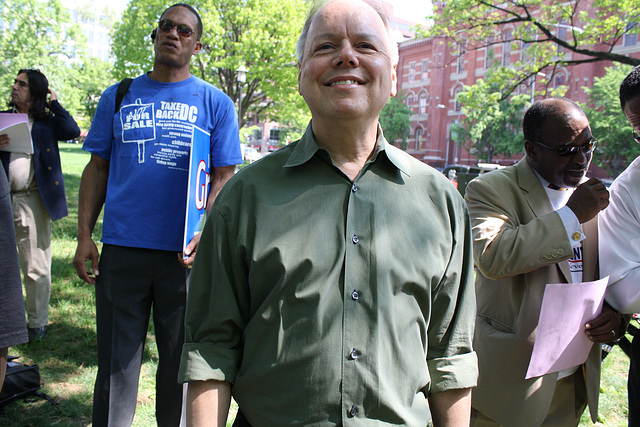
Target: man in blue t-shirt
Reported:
point(140, 154)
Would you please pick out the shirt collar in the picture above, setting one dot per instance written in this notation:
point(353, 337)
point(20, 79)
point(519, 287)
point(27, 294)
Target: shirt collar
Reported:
point(307, 148)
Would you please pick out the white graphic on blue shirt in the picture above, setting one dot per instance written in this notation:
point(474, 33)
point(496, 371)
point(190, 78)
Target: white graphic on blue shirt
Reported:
point(575, 263)
point(138, 125)
point(169, 127)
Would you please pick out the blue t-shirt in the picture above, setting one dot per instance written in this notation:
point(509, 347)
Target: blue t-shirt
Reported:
point(148, 144)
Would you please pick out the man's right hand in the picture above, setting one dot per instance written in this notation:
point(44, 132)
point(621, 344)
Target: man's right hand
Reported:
point(588, 199)
point(86, 251)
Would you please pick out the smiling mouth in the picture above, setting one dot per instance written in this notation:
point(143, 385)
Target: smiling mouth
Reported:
point(344, 83)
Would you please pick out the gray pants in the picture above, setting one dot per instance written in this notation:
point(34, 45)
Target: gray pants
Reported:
point(131, 282)
point(33, 235)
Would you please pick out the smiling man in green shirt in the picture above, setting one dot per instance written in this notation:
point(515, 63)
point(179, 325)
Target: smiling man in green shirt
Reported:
point(333, 283)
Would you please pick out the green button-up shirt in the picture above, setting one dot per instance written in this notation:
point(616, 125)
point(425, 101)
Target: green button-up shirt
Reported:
point(326, 301)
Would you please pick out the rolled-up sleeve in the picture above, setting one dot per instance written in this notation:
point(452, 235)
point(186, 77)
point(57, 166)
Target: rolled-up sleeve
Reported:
point(218, 284)
point(451, 360)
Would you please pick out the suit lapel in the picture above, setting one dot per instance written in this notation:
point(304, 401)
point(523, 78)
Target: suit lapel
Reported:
point(538, 201)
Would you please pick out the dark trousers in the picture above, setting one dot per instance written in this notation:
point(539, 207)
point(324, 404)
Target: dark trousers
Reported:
point(634, 382)
point(131, 282)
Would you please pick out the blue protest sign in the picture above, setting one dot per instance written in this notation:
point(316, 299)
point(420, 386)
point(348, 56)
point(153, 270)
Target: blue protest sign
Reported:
point(198, 189)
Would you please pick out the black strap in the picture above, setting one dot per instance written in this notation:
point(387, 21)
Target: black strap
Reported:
point(123, 88)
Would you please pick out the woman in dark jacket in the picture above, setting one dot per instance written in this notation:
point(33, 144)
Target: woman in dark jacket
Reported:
point(37, 188)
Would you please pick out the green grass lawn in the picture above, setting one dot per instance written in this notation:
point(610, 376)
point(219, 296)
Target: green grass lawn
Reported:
point(67, 357)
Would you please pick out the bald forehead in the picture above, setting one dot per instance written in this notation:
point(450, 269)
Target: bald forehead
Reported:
point(354, 16)
point(564, 111)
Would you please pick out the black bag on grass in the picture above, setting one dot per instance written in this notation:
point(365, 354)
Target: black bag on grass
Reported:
point(21, 381)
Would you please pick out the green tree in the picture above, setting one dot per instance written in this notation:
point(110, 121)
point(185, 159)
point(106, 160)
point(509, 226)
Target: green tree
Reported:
point(616, 148)
point(548, 33)
point(37, 34)
point(395, 120)
point(88, 79)
point(492, 124)
point(256, 34)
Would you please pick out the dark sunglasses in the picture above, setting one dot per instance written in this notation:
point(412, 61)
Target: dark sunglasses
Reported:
point(572, 150)
point(636, 137)
point(183, 30)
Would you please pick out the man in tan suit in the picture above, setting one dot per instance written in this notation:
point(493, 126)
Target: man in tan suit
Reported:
point(535, 223)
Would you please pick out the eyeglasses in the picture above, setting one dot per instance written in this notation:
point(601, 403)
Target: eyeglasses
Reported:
point(572, 150)
point(636, 137)
point(183, 30)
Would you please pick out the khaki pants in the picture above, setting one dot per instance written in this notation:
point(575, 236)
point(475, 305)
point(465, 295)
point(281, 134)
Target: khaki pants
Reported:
point(567, 405)
point(33, 235)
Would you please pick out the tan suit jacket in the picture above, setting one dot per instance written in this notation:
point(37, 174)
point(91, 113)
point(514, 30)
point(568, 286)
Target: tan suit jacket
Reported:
point(520, 245)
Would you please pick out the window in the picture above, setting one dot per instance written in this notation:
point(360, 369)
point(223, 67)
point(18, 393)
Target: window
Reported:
point(631, 36)
point(418, 138)
point(423, 103)
point(489, 53)
point(257, 136)
point(559, 79)
point(563, 34)
point(456, 105)
point(412, 71)
point(425, 70)
point(507, 36)
point(460, 60)
point(531, 35)
point(274, 136)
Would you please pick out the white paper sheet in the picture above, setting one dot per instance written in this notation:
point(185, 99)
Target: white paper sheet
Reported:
point(561, 342)
point(16, 126)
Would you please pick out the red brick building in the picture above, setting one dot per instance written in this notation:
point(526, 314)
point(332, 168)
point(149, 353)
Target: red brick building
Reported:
point(431, 73)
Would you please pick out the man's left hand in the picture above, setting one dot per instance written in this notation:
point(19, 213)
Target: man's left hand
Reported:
point(606, 327)
point(190, 251)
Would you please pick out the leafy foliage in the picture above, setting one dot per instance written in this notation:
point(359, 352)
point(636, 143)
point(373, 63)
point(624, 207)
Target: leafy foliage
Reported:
point(492, 124)
point(256, 34)
point(547, 33)
point(616, 148)
point(395, 120)
point(39, 34)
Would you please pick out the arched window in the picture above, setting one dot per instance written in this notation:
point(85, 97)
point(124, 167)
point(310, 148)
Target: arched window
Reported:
point(559, 79)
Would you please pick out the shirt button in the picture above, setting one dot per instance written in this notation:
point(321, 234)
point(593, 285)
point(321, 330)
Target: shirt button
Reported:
point(56, 183)
point(576, 236)
point(354, 354)
point(353, 411)
point(49, 168)
point(354, 188)
point(355, 239)
point(354, 295)
point(48, 150)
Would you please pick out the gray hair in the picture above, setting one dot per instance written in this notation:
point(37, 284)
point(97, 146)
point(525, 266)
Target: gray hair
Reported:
point(318, 5)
